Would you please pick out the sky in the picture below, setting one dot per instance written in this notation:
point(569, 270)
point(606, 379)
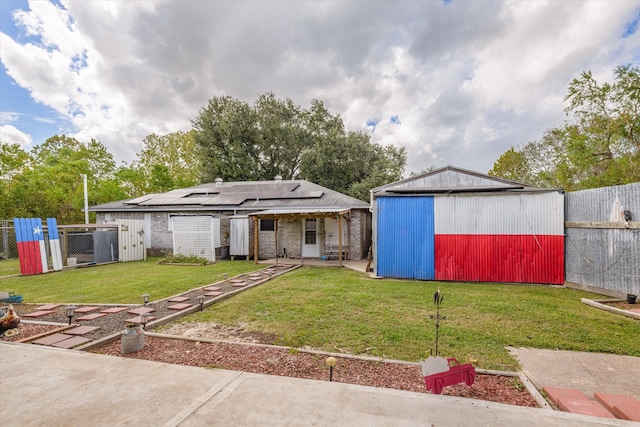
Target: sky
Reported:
point(454, 82)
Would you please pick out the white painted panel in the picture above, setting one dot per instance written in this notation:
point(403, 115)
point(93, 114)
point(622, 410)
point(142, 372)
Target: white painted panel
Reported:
point(196, 235)
point(239, 236)
point(525, 213)
point(131, 241)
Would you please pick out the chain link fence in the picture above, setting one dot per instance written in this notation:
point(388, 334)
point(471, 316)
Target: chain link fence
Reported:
point(79, 244)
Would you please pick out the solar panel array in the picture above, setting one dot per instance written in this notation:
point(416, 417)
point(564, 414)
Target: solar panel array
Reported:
point(232, 195)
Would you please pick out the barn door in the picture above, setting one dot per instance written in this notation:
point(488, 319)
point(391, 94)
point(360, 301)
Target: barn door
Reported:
point(405, 237)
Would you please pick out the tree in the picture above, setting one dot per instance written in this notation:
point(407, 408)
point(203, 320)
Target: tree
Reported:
point(169, 161)
point(599, 147)
point(276, 137)
point(50, 184)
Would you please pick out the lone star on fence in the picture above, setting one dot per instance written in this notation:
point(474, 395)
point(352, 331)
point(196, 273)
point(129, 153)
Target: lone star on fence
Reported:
point(37, 230)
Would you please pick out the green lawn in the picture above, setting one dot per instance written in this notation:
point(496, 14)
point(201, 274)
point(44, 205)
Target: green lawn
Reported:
point(9, 267)
point(341, 310)
point(122, 283)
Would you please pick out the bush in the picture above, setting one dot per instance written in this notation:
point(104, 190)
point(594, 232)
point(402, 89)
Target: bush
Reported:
point(184, 259)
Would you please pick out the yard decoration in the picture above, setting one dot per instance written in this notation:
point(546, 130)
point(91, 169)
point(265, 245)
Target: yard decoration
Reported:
point(439, 372)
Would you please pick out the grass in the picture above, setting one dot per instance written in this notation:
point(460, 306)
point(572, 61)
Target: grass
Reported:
point(333, 309)
point(9, 267)
point(120, 283)
point(341, 310)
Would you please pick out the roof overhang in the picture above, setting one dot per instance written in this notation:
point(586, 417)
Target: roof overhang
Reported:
point(300, 213)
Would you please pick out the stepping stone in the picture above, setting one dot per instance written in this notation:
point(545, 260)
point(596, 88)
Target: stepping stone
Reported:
point(91, 316)
point(239, 285)
point(212, 288)
point(554, 393)
point(86, 309)
point(178, 299)
point(576, 402)
point(141, 310)
point(236, 281)
point(71, 342)
point(584, 407)
point(81, 330)
point(179, 306)
point(52, 339)
point(623, 407)
point(255, 276)
point(139, 319)
point(213, 294)
point(48, 307)
point(38, 313)
point(113, 310)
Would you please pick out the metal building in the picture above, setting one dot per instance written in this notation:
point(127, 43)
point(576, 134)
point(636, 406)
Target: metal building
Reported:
point(458, 225)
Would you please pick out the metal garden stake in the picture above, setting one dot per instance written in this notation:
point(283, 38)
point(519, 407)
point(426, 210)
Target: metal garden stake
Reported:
point(437, 300)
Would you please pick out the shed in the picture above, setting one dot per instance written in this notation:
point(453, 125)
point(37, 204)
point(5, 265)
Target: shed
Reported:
point(453, 224)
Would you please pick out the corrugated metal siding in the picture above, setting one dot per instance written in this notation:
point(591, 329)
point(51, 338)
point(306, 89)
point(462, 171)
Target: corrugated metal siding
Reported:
point(522, 213)
point(500, 238)
point(500, 258)
point(405, 240)
point(239, 242)
point(450, 179)
point(604, 258)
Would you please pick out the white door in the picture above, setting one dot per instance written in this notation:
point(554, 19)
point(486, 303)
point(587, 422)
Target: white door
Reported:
point(310, 241)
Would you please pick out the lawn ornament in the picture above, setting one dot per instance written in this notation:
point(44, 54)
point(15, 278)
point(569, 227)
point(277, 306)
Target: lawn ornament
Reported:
point(439, 372)
point(437, 376)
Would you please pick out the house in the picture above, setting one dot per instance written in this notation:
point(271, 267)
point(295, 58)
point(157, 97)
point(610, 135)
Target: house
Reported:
point(295, 219)
point(458, 225)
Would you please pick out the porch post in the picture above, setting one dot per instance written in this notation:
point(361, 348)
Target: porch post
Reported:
point(255, 240)
point(275, 237)
point(340, 240)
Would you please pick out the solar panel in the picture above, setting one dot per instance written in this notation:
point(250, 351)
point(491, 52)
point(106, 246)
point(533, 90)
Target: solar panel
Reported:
point(140, 199)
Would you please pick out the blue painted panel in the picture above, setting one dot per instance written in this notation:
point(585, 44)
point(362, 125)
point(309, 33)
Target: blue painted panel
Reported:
point(405, 240)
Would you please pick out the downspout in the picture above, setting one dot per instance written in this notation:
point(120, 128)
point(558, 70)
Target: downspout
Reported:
point(374, 235)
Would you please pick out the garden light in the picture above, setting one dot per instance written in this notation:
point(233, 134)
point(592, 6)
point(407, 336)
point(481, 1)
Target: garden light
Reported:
point(225, 276)
point(144, 318)
point(331, 363)
point(68, 311)
point(200, 299)
point(145, 298)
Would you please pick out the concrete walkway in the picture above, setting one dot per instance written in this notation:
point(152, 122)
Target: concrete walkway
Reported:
point(587, 372)
point(54, 387)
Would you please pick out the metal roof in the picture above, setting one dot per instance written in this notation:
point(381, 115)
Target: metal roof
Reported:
point(451, 179)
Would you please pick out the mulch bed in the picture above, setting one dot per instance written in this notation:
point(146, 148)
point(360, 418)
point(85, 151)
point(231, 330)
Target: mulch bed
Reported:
point(292, 363)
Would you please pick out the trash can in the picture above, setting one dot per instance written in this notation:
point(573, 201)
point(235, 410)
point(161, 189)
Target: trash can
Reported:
point(132, 339)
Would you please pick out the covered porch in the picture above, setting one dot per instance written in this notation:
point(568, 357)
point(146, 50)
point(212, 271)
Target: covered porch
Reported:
point(323, 247)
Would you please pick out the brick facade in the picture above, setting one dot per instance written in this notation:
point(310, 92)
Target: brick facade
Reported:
point(289, 233)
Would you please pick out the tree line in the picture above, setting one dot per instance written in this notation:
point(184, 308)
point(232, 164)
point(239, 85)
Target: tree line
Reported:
point(230, 139)
point(598, 145)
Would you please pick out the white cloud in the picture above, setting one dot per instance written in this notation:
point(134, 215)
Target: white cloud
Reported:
point(10, 135)
point(466, 79)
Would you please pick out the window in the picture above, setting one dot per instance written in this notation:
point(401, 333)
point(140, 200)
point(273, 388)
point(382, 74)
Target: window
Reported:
point(267, 225)
point(310, 232)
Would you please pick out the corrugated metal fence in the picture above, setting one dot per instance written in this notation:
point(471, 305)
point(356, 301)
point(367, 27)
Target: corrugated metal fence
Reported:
point(602, 246)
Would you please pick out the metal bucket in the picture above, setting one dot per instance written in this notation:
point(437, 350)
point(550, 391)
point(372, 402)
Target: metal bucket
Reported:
point(132, 339)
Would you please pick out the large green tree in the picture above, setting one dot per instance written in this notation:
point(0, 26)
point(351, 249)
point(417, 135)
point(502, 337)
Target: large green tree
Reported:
point(166, 162)
point(276, 137)
point(599, 146)
point(50, 183)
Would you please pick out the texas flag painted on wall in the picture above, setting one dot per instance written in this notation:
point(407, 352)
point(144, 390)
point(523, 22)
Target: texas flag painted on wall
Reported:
point(28, 235)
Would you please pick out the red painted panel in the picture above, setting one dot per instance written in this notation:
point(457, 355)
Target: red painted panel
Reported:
point(500, 258)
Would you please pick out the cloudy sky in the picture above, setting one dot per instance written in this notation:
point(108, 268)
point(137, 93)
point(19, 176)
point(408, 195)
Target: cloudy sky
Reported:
point(454, 82)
